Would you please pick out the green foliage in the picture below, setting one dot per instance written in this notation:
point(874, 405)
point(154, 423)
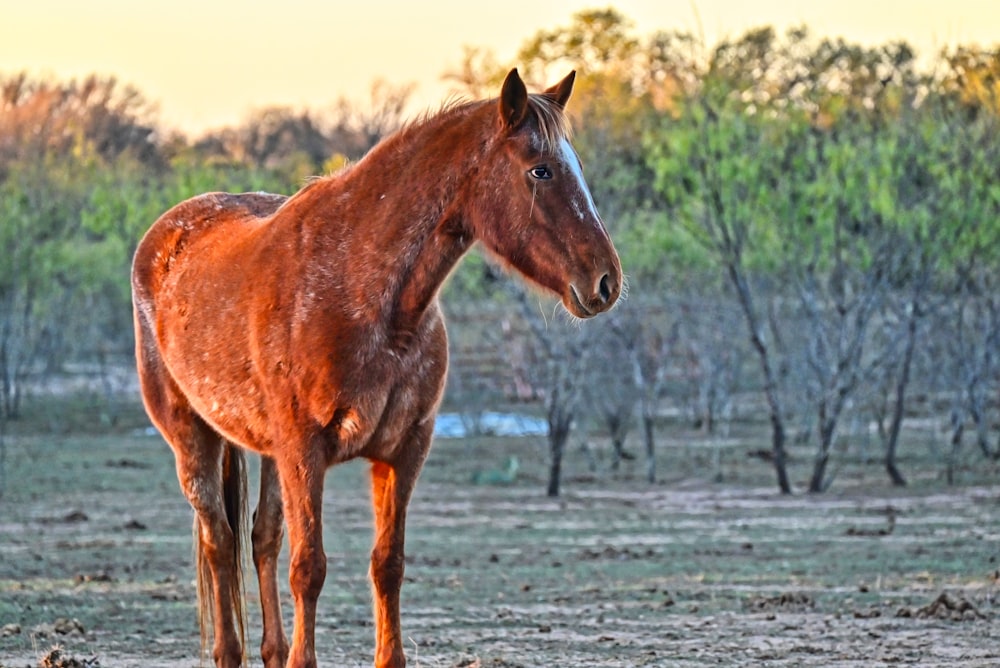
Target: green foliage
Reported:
point(820, 178)
point(77, 192)
point(787, 153)
point(476, 279)
point(597, 40)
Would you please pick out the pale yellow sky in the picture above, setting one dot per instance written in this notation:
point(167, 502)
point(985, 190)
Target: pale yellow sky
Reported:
point(207, 63)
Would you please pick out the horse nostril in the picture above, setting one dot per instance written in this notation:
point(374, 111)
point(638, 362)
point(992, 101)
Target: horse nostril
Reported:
point(603, 290)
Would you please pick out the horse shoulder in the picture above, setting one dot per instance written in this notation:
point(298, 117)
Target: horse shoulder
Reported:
point(416, 393)
point(366, 393)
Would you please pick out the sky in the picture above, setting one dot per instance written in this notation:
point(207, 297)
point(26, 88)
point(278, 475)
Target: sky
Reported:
point(210, 63)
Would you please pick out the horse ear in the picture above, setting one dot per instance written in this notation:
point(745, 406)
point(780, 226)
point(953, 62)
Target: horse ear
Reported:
point(513, 100)
point(561, 91)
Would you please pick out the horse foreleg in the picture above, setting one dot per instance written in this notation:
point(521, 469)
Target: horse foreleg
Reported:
point(301, 477)
point(267, 536)
point(391, 489)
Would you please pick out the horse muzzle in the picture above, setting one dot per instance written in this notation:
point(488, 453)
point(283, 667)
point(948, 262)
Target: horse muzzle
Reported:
point(600, 295)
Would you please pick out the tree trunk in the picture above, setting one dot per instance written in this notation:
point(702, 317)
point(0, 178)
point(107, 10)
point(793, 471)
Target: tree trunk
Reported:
point(565, 367)
point(957, 431)
point(902, 381)
point(977, 413)
point(560, 425)
point(647, 428)
point(778, 449)
point(7, 363)
point(3, 454)
point(558, 434)
point(617, 433)
point(770, 381)
point(817, 483)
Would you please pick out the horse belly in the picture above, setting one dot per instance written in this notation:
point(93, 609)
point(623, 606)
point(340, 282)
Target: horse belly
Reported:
point(218, 383)
point(234, 409)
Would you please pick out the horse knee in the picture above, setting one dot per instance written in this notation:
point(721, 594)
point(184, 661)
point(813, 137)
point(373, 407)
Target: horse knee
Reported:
point(387, 566)
point(215, 539)
point(307, 573)
point(212, 531)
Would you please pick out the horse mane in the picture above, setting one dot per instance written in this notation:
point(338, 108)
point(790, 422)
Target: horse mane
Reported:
point(553, 126)
point(553, 123)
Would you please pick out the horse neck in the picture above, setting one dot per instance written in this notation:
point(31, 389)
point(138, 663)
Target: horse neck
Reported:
point(397, 218)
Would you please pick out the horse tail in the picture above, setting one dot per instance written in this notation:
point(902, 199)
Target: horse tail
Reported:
point(234, 494)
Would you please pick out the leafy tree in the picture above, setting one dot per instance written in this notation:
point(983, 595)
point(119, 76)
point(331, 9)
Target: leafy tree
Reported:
point(812, 163)
point(971, 77)
point(562, 360)
point(613, 106)
point(610, 390)
point(38, 206)
point(97, 116)
point(598, 42)
point(649, 347)
point(713, 168)
point(478, 76)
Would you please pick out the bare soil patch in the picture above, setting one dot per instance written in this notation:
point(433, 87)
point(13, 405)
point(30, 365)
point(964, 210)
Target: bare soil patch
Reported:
point(95, 560)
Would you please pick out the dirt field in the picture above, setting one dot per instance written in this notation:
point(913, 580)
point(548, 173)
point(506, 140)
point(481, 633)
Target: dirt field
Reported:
point(95, 558)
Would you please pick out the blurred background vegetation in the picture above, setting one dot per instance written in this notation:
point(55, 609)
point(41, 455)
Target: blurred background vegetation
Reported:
point(811, 230)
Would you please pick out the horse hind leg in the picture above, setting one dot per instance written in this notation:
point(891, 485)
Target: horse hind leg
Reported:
point(219, 544)
point(267, 536)
point(212, 475)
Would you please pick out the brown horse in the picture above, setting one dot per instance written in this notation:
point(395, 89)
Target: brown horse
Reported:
point(307, 329)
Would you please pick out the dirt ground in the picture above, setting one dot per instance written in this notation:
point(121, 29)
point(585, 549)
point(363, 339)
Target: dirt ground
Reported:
point(95, 559)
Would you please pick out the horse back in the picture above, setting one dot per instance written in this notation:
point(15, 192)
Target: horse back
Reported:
point(187, 225)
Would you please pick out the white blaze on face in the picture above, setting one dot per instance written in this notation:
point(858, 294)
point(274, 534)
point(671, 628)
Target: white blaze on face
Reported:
point(583, 201)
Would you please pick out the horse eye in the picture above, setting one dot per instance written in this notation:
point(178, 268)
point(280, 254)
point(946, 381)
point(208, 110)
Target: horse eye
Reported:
point(540, 172)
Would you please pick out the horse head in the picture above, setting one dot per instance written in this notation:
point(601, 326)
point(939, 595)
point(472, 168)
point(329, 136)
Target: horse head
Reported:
point(537, 212)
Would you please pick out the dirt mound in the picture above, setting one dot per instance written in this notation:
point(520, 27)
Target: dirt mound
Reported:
point(944, 607)
point(56, 659)
point(790, 600)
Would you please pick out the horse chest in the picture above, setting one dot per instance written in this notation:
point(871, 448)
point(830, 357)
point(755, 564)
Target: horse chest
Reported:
point(387, 400)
